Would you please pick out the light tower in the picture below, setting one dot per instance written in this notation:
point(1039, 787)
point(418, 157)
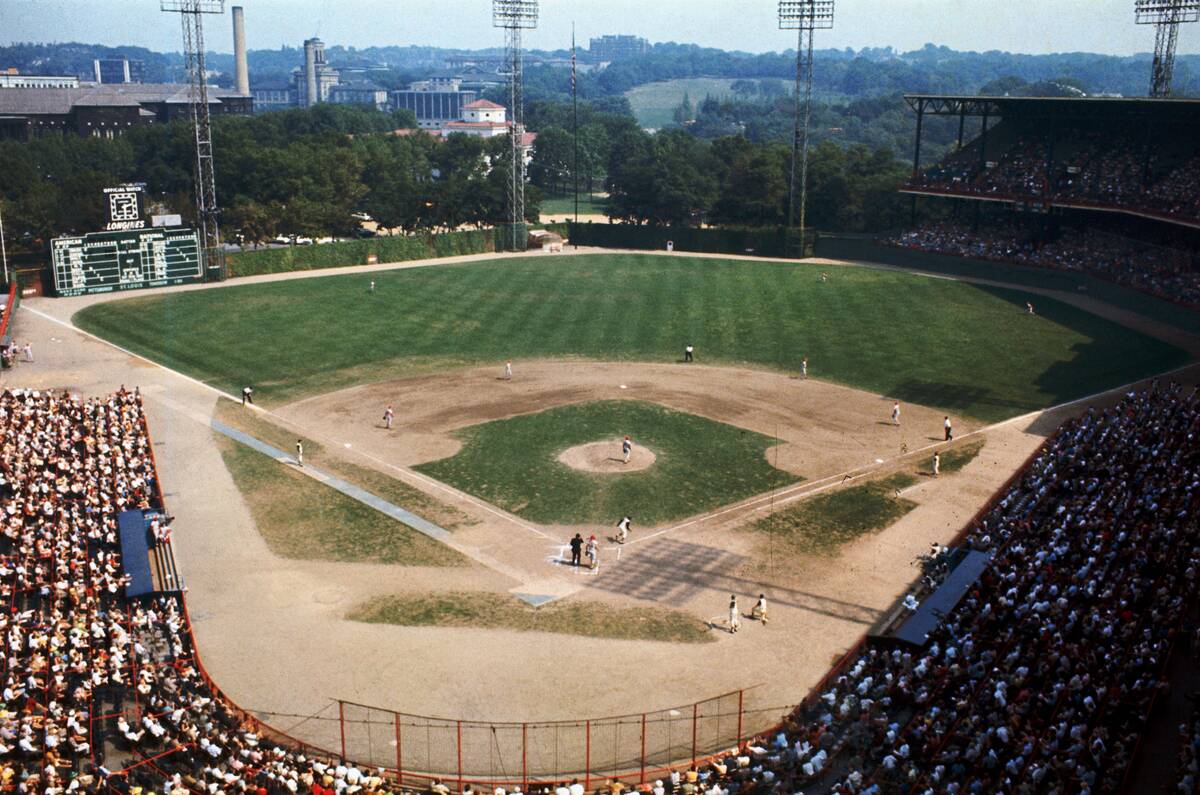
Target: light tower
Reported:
point(515, 16)
point(803, 16)
point(1166, 16)
point(192, 12)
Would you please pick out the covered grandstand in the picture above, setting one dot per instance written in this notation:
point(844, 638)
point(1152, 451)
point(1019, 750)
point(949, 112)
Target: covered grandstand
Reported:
point(1104, 185)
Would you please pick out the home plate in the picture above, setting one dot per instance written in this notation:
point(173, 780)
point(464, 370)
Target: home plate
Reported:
point(624, 387)
point(878, 460)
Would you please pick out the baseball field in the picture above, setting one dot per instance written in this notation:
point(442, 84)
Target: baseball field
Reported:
point(745, 478)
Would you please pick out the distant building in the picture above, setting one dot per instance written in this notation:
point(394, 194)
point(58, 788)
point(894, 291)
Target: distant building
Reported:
point(481, 118)
point(104, 111)
point(315, 79)
point(274, 95)
point(11, 78)
point(360, 93)
point(118, 70)
point(433, 109)
point(616, 48)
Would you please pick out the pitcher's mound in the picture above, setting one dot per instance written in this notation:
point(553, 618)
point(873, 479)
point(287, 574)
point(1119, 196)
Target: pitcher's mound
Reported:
point(606, 457)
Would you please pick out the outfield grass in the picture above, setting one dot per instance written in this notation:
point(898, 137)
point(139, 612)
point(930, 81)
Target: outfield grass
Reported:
point(961, 348)
point(563, 207)
point(500, 611)
point(381, 485)
point(303, 519)
point(822, 524)
point(700, 464)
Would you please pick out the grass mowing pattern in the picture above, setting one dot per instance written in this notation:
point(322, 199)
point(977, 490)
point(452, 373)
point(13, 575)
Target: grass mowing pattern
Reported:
point(381, 485)
point(822, 524)
point(964, 349)
point(700, 464)
point(500, 611)
point(303, 519)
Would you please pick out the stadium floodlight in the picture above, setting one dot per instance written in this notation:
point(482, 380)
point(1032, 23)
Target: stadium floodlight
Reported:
point(193, 6)
point(515, 16)
point(804, 16)
point(191, 13)
point(1166, 16)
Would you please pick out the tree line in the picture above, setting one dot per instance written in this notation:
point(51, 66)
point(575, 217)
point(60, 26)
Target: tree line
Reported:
point(297, 172)
point(310, 172)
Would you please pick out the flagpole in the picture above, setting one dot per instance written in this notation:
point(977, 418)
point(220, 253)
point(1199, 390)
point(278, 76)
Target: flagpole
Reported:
point(575, 113)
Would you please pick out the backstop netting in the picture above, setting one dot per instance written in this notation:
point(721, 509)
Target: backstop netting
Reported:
point(626, 746)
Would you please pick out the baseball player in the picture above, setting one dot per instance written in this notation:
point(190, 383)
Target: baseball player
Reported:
point(735, 620)
point(804, 368)
point(937, 464)
point(896, 413)
point(687, 353)
point(623, 529)
point(592, 552)
point(508, 370)
point(759, 613)
point(388, 416)
point(372, 285)
point(300, 452)
point(247, 396)
point(627, 448)
point(949, 430)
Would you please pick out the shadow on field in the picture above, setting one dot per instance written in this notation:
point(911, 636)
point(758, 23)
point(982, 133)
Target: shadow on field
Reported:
point(955, 397)
point(674, 571)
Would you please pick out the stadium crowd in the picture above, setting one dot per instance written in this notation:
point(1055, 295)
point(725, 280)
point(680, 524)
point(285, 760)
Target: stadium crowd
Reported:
point(1038, 681)
point(1161, 271)
point(1091, 167)
point(1188, 778)
point(95, 682)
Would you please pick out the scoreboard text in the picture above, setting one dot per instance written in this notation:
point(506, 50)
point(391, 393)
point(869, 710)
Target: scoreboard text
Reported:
point(108, 261)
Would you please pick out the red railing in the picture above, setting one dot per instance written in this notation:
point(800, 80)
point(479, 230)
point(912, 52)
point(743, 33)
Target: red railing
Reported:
point(14, 298)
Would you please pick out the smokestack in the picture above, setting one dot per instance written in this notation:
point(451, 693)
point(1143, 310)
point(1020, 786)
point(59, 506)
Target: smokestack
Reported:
point(240, 71)
point(310, 72)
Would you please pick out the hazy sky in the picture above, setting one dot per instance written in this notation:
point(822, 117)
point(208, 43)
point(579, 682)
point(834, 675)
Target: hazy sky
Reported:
point(1035, 26)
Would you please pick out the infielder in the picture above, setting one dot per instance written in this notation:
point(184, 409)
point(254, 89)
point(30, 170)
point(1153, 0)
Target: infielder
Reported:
point(949, 430)
point(937, 464)
point(735, 620)
point(896, 413)
point(804, 368)
point(388, 415)
point(508, 370)
point(759, 613)
point(299, 452)
point(623, 529)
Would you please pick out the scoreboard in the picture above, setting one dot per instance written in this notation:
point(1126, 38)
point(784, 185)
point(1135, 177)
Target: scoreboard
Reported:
point(103, 262)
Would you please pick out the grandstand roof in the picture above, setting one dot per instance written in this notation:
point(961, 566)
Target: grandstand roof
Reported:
point(1059, 107)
